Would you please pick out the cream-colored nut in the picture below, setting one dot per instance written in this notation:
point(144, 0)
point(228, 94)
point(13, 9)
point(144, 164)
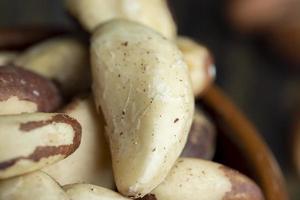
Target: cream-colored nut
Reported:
point(22, 91)
point(29, 142)
point(200, 64)
point(64, 60)
point(192, 179)
point(7, 57)
point(142, 85)
point(201, 141)
point(91, 162)
point(154, 13)
point(33, 186)
point(91, 192)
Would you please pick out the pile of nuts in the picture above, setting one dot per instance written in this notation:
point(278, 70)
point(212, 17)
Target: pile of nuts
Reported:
point(137, 134)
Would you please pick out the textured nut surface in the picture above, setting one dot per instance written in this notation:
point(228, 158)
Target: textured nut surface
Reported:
point(64, 60)
point(6, 57)
point(24, 91)
point(192, 179)
point(200, 64)
point(91, 162)
point(154, 13)
point(33, 186)
point(29, 142)
point(142, 85)
point(201, 140)
point(91, 192)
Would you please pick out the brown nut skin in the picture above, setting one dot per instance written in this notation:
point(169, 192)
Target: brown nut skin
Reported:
point(32, 186)
point(192, 179)
point(24, 91)
point(201, 140)
point(29, 142)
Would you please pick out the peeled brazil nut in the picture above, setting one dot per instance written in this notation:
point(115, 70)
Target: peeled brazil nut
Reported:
point(22, 91)
point(201, 140)
point(29, 142)
point(32, 186)
point(91, 192)
point(6, 57)
point(91, 162)
point(154, 13)
point(200, 64)
point(142, 84)
point(192, 179)
point(63, 59)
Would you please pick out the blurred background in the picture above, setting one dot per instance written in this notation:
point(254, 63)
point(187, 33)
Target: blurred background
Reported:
point(256, 46)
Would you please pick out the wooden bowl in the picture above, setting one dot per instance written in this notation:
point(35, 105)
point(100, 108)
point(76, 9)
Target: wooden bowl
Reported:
point(295, 144)
point(240, 145)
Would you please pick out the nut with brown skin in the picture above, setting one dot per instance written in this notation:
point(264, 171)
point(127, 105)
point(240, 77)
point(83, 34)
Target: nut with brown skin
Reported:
point(154, 14)
point(32, 186)
point(29, 142)
point(6, 57)
point(22, 91)
point(91, 162)
point(192, 179)
point(91, 192)
point(63, 59)
point(200, 63)
point(201, 140)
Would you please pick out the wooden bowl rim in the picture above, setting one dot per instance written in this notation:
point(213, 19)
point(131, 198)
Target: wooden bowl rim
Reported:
point(250, 143)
